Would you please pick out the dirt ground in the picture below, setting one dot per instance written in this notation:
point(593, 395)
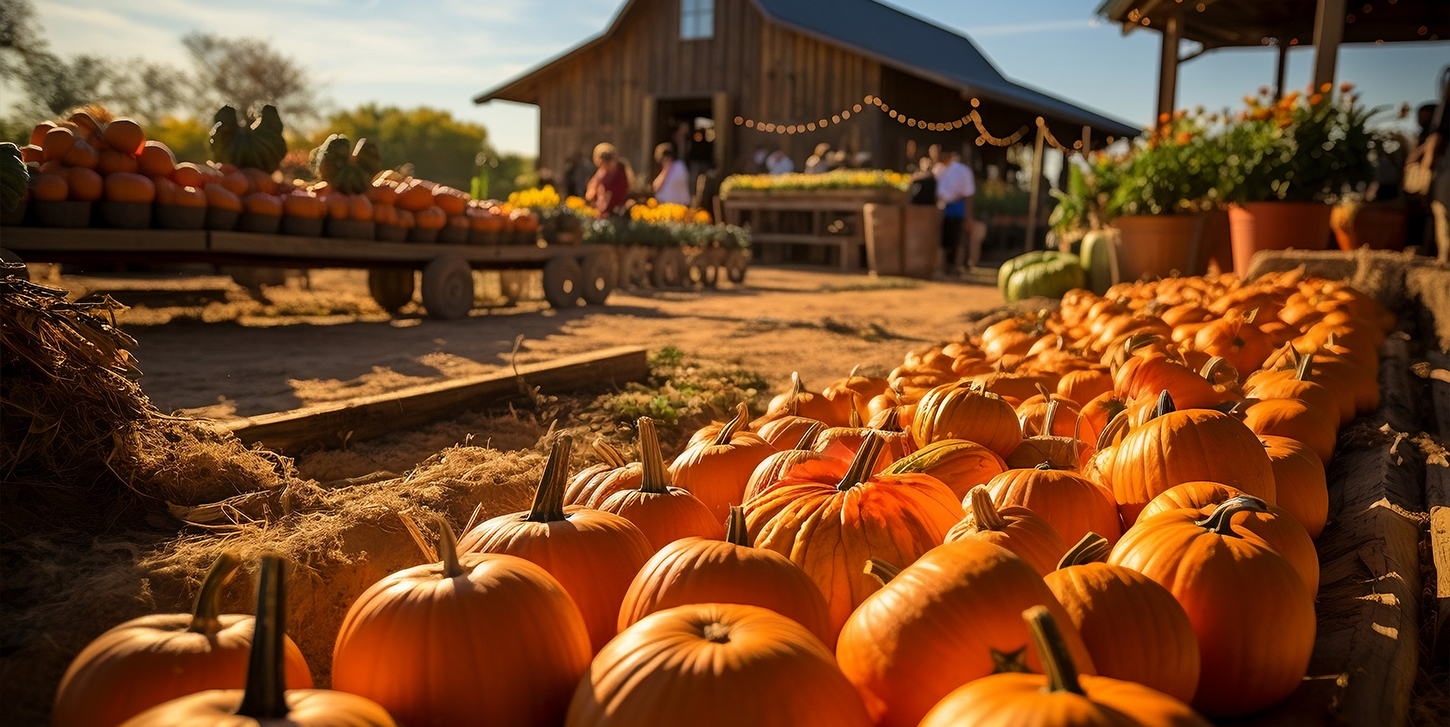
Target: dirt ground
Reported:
point(209, 349)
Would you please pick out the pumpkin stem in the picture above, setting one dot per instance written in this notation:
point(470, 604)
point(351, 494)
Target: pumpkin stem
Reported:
point(855, 419)
point(1220, 521)
point(549, 498)
point(716, 632)
point(1215, 366)
point(265, 697)
point(892, 422)
point(860, 469)
point(742, 414)
point(1330, 339)
point(984, 511)
point(448, 550)
point(652, 460)
point(1050, 417)
point(735, 531)
point(1052, 649)
point(1046, 395)
point(1165, 405)
point(1115, 426)
point(608, 453)
point(204, 612)
point(1305, 370)
point(797, 389)
point(881, 570)
point(808, 440)
point(1093, 548)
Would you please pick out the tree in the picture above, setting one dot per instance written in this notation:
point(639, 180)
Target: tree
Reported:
point(187, 137)
point(438, 146)
point(57, 85)
point(19, 36)
point(147, 92)
point(246, 72)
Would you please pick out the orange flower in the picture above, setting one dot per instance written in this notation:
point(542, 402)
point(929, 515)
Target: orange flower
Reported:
point(1346, 87)
point(1315, 99)
point(1184, 137)
point(1326, 88)
point(1163, 118)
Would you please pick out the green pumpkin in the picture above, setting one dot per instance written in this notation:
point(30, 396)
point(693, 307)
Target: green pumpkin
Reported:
point(1097, 263)
point(258, 145)
point(1049, 274)
point(14, 177)
point(348, 171)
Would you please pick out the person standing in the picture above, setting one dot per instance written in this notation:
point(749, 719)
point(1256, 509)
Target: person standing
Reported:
point(672, 185)
point(608, 189)
point(955, 189)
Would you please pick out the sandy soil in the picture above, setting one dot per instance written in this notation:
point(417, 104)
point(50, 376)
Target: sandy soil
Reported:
point(208, 349)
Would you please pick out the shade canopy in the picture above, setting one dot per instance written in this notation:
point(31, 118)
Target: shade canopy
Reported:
point(1238, 23)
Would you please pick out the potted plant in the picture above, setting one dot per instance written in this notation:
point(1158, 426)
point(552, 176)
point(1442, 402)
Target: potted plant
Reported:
point(1286, 162)
point(1159, 188)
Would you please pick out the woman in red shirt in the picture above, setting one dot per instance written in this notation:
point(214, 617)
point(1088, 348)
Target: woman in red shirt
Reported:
point(608, 190)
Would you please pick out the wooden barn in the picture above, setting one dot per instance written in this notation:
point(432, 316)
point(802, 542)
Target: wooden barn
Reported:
point(716, 64)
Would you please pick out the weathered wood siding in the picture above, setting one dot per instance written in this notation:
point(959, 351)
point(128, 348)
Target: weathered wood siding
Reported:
point(606, 93)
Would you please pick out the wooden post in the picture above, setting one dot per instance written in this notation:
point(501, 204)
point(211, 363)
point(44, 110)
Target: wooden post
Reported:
point(1035, 201)
point(1279, 70)
point(1168, 68)
point(649, 119)
point(1328, 32)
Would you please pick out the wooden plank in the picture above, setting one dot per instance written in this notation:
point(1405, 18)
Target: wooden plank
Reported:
point(36, 241)
point(783, 238)
point(357, 253)
point(331, 424)
point(1437, 501)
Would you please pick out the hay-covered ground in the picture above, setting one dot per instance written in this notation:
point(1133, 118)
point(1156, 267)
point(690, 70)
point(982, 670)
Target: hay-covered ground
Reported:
point(113, 507)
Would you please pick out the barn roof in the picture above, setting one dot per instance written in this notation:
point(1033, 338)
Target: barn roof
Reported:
point(886, 34)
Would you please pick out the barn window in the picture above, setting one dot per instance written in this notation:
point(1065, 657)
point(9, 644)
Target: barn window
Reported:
point(697, 19)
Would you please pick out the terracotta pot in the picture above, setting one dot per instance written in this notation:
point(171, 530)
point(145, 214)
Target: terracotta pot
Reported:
point(1154, 245)
point(1256, 226)
point(1215, 248)
point(1378, 226)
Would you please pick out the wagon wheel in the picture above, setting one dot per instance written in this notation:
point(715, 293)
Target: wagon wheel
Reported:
point(695, 271)
point(600, 274)
point(392, 288)
point(634, 267)
point(448, 287)
point(10, 258)
point(512, 284)
point(669, 268)
point(735, 264)
point(563, 282)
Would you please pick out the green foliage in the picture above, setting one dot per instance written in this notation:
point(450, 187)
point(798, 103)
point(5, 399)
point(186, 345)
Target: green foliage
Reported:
point(1000, 197)
point(1297, 149)
point(187, 138)
point(438, 146)
point(1081, 205)
point(619, 231)
point(680, 391)
point(1175, 170)
point(247, 73)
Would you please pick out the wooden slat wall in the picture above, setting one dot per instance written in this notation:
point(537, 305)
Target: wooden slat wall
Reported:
point(769, 72)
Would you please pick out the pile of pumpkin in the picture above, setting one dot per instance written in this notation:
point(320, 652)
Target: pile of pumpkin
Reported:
point(1102, 514)
point(96, 170)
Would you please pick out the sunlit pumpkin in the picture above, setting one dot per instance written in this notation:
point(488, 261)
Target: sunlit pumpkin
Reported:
point(662, 512)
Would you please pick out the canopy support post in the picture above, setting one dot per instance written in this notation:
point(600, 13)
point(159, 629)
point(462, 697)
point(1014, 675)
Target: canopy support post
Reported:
point(1328, 33)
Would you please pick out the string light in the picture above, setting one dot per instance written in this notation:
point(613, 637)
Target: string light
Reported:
point(973, 118)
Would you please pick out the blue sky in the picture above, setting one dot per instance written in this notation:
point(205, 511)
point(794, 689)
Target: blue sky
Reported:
point(441, 52)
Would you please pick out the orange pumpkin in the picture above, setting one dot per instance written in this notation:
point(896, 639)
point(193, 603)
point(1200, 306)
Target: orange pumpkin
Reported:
point(1252, 615)
point(831, 529)
point(1184, 446)
point(1072, 504)
point(49, 187)
point(959, 411)
point(593, 554)
point(1134, 628)
point(1015, 528)
point(111, 161)
point(153, 659)
point(1144, 376)
point(1275, 526)
point(718, 470)
point(265, 700)
point(359, 208)
point(663, 513)
point(222, 198)
point(783, 432)
point(187, 174)
point(483, 639)
point(781, 465)
point(1293, 419)
point(957, 463)
point(84, 184)
point(58, 142)
point(707, 570)
point(1060, 697)
point(124, 136)
point(591, 486)
point(799, 402)
point(431, 217)
point(450, 200)
point(1084, 385)
point(262, 203)
point(299, 203)
point(124, 187)
point(156, 160)
point(953, 616)
point(715, 665)
point(1299, 482)
point(414, 197)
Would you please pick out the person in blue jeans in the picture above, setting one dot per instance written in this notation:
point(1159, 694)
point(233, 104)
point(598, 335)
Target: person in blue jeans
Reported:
point(955, 188)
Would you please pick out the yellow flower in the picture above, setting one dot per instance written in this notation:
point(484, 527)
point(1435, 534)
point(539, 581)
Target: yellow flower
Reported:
point(702, 217)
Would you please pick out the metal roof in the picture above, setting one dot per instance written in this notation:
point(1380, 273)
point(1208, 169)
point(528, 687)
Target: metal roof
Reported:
point(888, 35)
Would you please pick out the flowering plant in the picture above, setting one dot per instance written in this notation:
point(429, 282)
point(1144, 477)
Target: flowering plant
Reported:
point(1299, 148)
point(839, 179)
point(1173, 170)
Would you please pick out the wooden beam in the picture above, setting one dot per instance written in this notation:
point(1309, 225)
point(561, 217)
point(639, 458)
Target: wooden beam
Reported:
point(1034, 202)
point(330, 425)
point(1279, 69)
point(1168, 67)
point(1328, 33)
point(1437, 501)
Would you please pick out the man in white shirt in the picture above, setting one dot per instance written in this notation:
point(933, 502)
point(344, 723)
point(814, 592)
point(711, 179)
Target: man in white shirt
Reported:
point(955, 188)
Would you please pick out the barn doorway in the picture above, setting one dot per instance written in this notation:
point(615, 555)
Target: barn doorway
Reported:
point(692, 126)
